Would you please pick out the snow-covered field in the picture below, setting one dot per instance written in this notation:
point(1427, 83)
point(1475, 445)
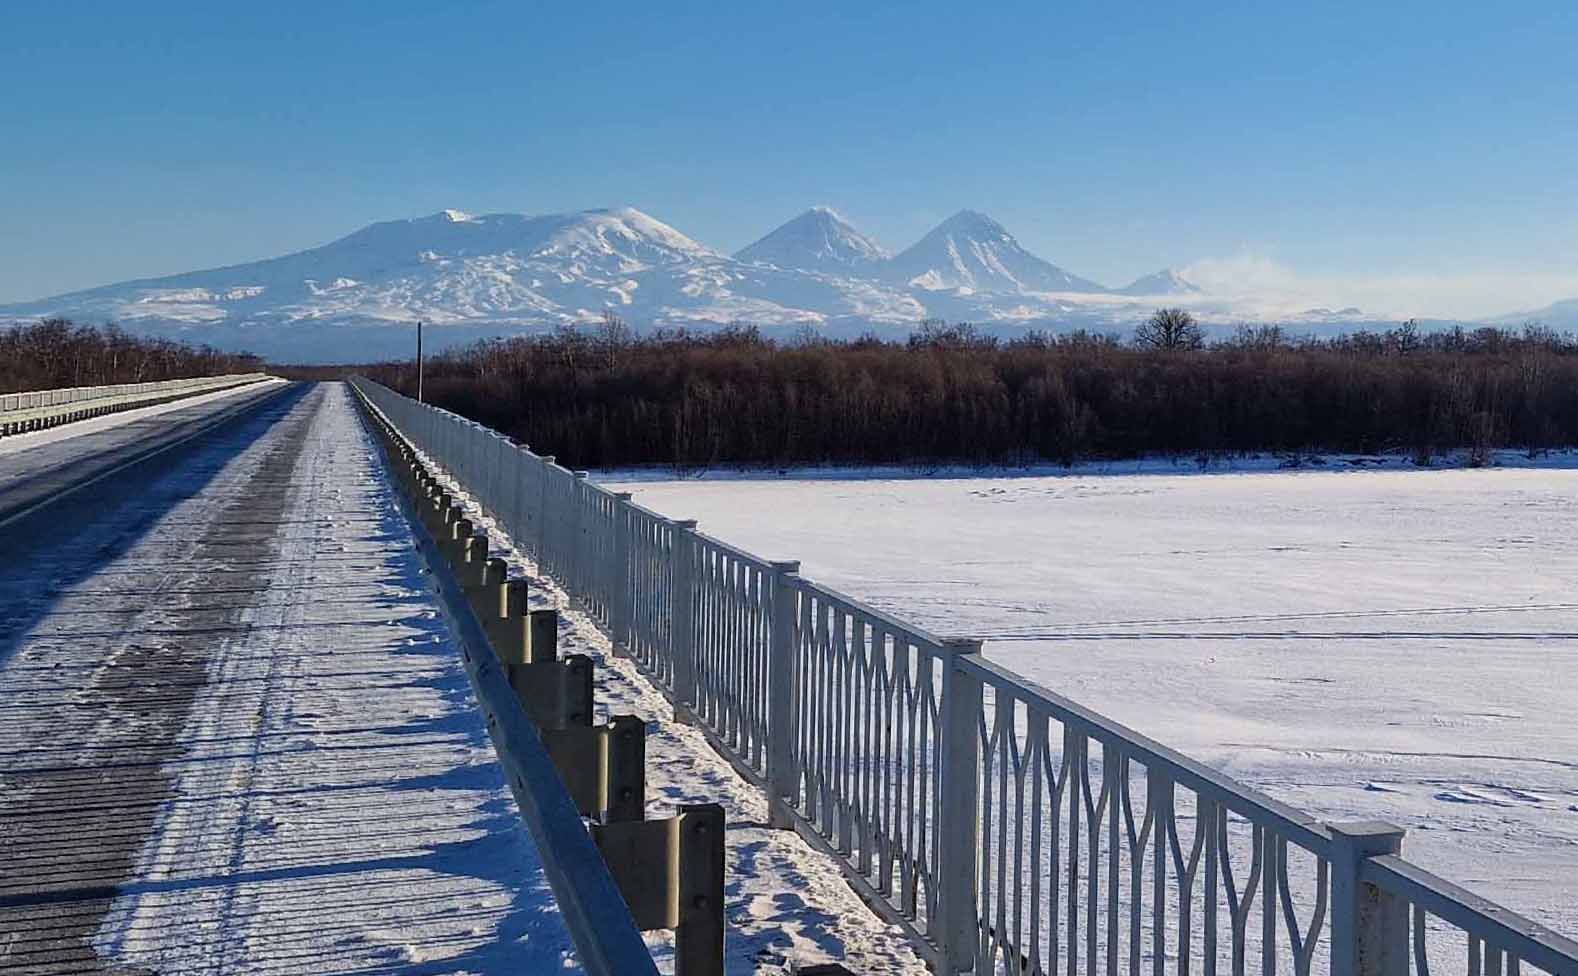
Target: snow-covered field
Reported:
point(1399, 645)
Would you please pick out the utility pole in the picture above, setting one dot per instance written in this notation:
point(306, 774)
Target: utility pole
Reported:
point(419, 362)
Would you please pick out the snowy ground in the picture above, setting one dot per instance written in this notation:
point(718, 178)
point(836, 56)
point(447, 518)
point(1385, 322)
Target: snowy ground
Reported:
point(1363, 644)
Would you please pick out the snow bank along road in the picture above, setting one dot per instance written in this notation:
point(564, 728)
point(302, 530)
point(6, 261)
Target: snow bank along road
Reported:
point(1363, 645)
point(238, 738)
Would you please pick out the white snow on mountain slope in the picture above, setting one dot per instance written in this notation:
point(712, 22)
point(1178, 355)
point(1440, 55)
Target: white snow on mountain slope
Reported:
point(972, 251)
point(1164, 282)
point(1562, 316)
point(446, 267)
point(817, 240)
point(480, 277)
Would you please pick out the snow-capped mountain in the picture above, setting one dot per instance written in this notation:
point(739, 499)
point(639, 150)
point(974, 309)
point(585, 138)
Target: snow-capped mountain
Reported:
point(475, 277)
point(1561, 316)
point(1164, 282)
point(974, 252)
point(447, 267)
point(817, 240)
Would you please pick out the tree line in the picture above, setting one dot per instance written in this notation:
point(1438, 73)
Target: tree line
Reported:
point(607, 397)
point(56, 353)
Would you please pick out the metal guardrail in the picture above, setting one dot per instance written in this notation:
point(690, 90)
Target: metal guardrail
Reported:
point(22, 412)
point(630, 873)
point(1012, 830)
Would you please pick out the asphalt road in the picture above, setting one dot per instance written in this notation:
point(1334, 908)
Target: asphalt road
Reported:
point(35, 469)
point(235, 735)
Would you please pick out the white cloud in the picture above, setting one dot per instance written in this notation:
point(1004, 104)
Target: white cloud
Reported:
point(1277, 288)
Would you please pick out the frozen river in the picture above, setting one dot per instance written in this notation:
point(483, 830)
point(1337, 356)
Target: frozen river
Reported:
point(1392, 645)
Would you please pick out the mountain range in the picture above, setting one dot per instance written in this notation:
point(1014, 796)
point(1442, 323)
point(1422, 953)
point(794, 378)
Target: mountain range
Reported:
point(474, 277)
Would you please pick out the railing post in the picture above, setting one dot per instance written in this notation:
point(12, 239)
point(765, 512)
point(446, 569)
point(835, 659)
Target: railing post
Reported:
point(619, 574)
point(782, 652)
point(1369, 928)
point(574, 580)
point(958, 815)
point(496, 504)
point(682, 624)
point(518, 523)
point(544, 560)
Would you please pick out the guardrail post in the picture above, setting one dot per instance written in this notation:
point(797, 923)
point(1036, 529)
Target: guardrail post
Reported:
point(457, 539)
point(472, 562)
point(620, 575)
point(555, 694)
point(782, 652)
point(510, 631)
point(958, 814)
point(682, 623)
point(698, 938)
point(491, 598)
point(603, 767)
point(671, 875)
point(1369, 928)
point(624, 769)
point(542, 636)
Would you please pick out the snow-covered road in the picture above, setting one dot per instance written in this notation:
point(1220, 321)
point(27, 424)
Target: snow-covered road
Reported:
point(1393, 645)
point(238, 738)
point(38, 466)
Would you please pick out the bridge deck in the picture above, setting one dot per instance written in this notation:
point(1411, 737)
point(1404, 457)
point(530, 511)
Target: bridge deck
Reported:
point(237, 737)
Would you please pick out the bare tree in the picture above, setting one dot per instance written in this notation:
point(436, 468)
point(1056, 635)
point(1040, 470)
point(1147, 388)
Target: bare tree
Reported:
point(613, 335)
point(1170, 329)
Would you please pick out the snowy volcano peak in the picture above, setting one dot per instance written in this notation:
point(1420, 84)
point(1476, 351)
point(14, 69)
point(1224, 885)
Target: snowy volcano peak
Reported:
point(624, 236)
point(622, 231)
point(973, 252)
point(817, 240)
point(1164, 282)
point(976, 225)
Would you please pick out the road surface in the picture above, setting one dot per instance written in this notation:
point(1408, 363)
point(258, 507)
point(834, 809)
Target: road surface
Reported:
point(237, 736)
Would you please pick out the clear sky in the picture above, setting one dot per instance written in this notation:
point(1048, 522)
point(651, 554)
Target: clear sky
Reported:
point(1356, 148)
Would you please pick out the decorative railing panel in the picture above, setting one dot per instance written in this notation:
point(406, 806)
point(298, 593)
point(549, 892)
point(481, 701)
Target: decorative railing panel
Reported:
point(866, 743)
point(734, 600)
point(1011, 830)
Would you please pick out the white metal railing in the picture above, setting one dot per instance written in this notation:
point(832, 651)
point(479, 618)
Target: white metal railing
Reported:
point(596, 915)
point(41, 407)
point(1013, 830)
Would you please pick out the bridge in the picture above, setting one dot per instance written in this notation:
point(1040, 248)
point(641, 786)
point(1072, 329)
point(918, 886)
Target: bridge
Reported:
point(315, 678)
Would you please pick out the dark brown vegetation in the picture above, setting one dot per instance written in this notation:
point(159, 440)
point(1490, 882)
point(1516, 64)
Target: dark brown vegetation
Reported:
point(604, 398)
point(55, 353)
point(312, 373)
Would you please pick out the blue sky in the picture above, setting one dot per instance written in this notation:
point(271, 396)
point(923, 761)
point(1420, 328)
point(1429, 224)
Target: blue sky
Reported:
point(1350, 148)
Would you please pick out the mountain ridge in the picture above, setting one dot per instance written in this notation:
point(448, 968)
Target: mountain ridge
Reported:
point(1161, 283)
point(819, 239)
point(972, 251)
point(478, 276)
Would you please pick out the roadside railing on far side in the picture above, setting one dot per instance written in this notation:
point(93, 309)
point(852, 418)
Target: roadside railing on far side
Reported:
point(40, 409)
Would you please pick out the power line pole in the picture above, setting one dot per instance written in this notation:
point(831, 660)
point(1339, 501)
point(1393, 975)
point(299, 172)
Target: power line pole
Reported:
point(419, 362)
